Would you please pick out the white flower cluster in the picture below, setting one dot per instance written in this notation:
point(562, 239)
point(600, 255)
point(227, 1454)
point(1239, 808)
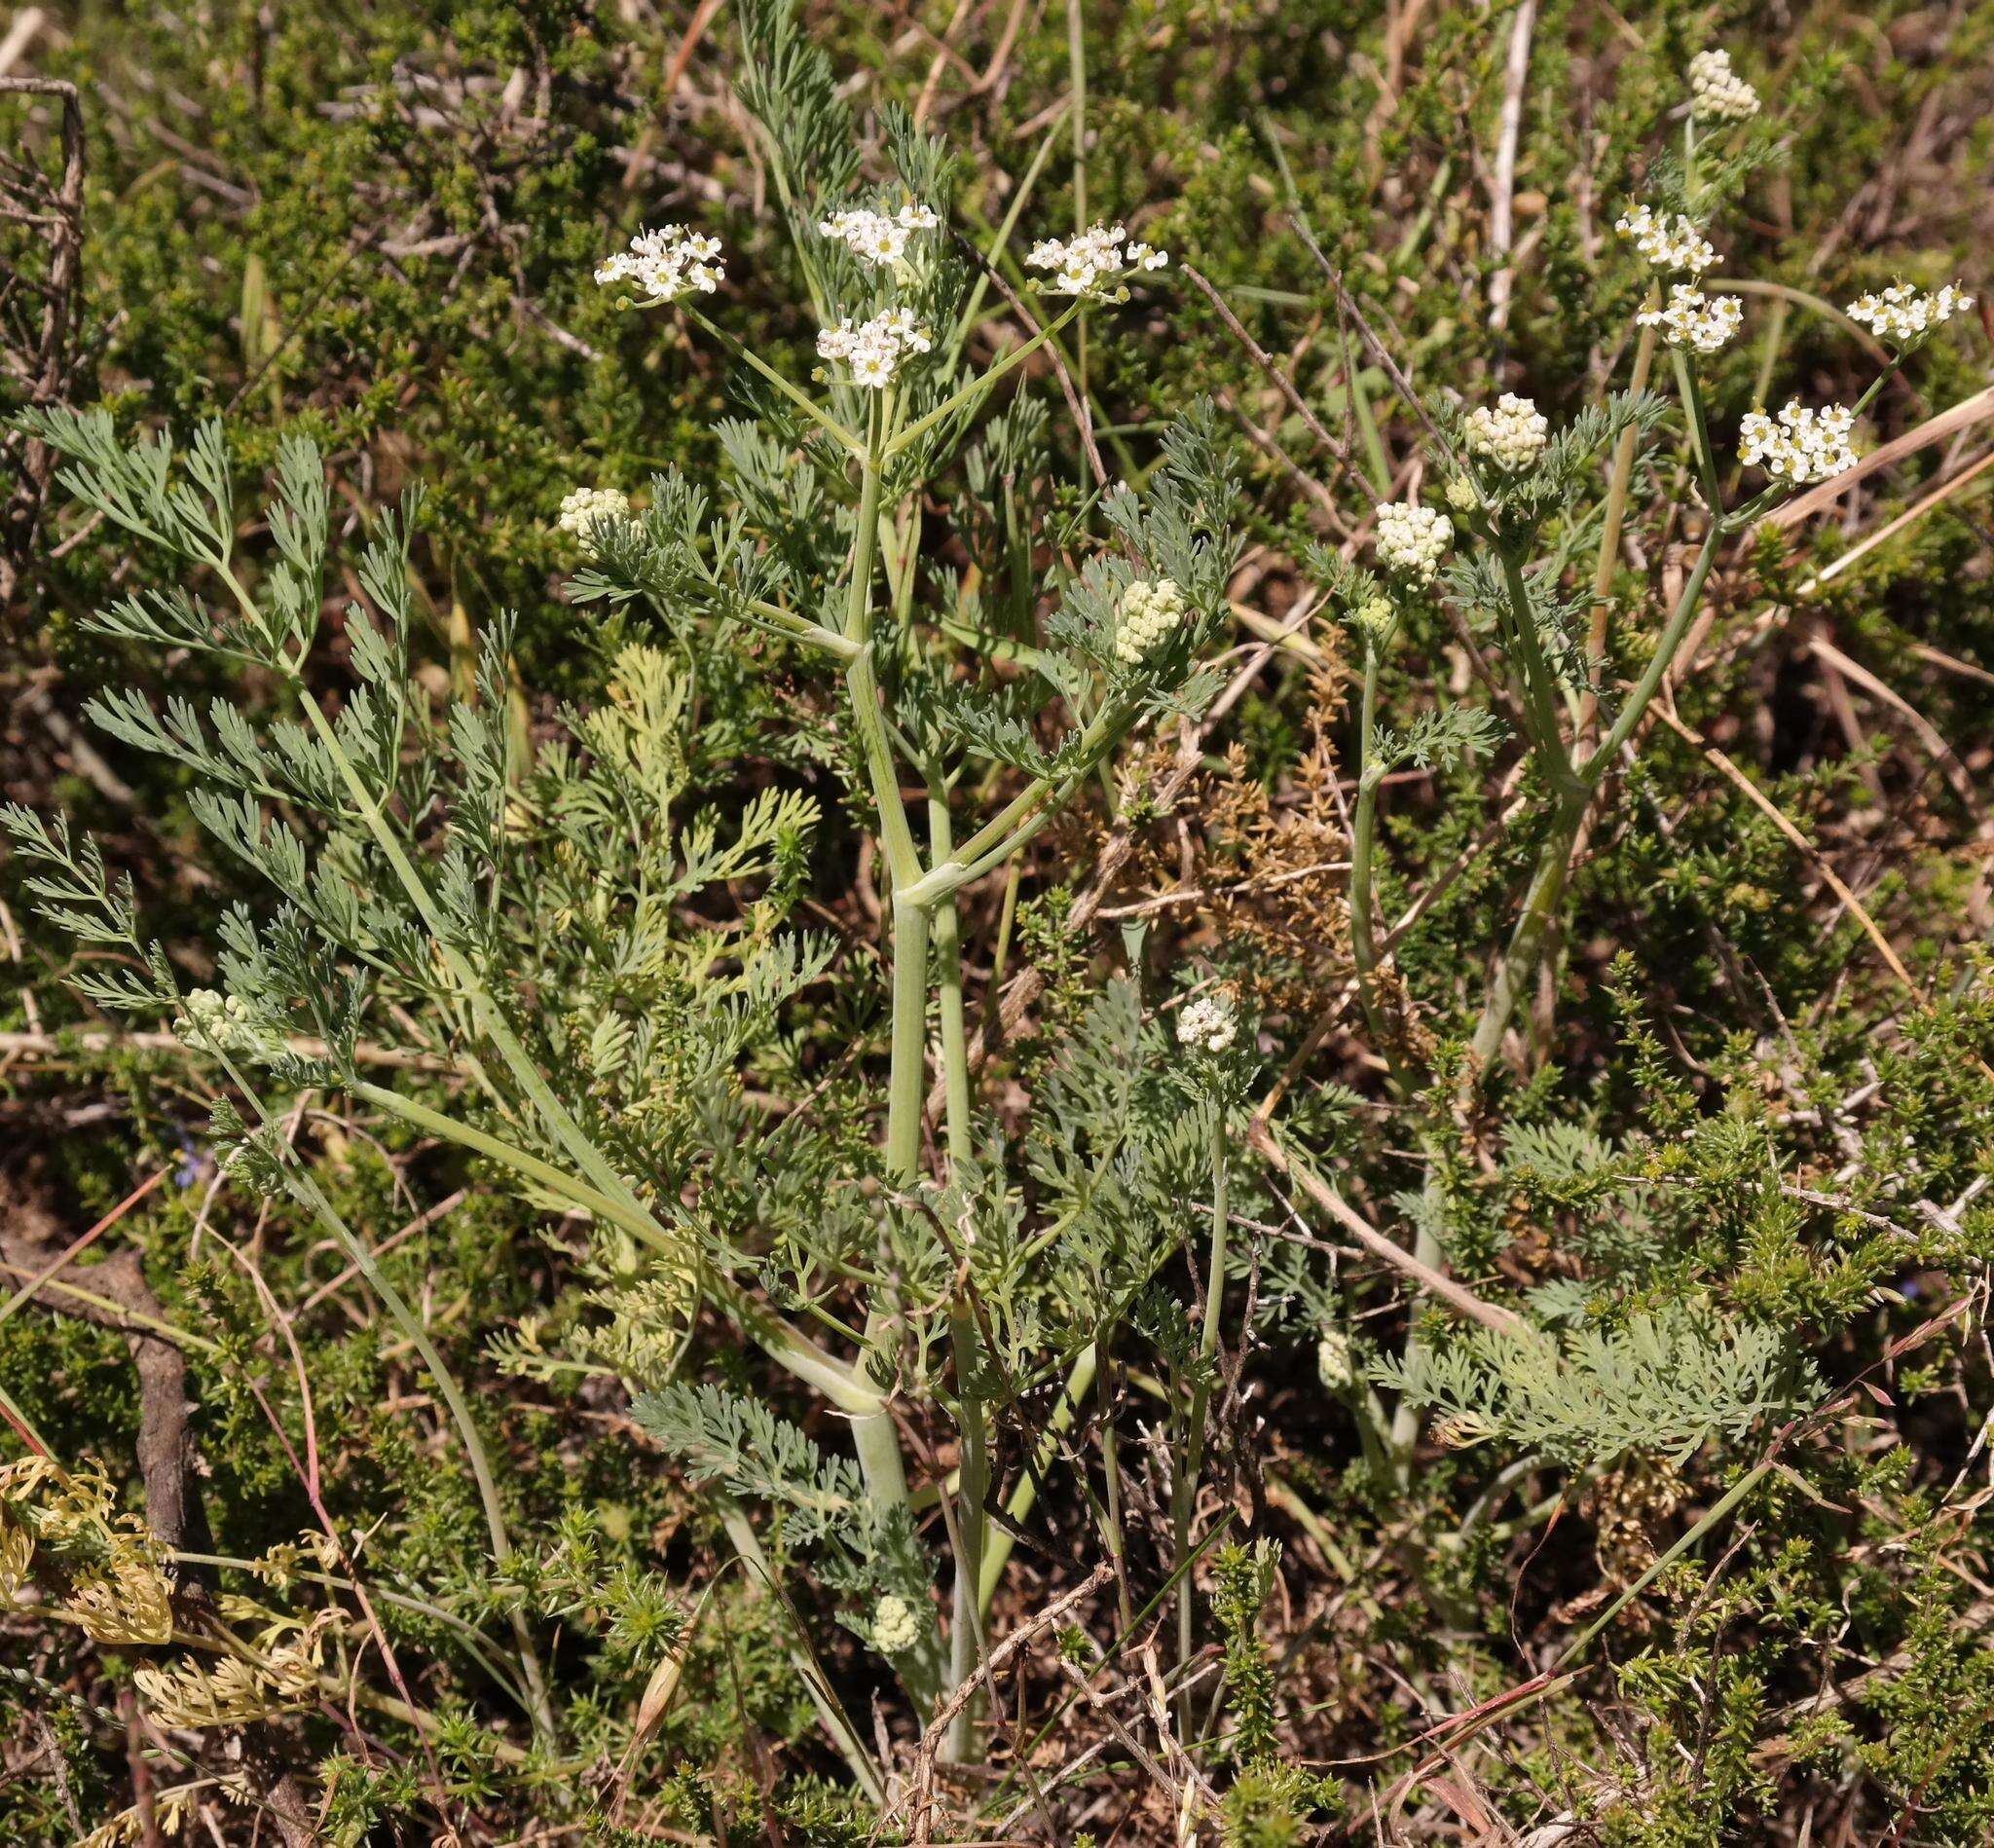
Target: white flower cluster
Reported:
point(1804, 445)
point(1088, 263)
point(894, 1628)
point(1151, 610)
point(587, 508)
point(666, 264)
point(1333, 1361)
point(215, 1023)
point(1692, 318)
point(1903, 316)
point(1411, 539)
point(1512, 435)
point(873, 236)
point(1209, 1024)
point(1717, 93)
point(1669, 243)
point(875, 348)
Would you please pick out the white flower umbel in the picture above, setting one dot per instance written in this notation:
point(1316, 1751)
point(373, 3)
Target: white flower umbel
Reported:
point(871, 352)
point(1512, 435)
point(1803, 445)
point(1412, 541)
point(1717, 93)
point(1152, 609)
point(874, 237)
point(1093, 263)
point(666, 264)
point(1208, 1024)
point(1703, 324)
point(1333, 1361)
point(586, 509)
point(1669, 243)
point(1906, 319)
point(894, 1628)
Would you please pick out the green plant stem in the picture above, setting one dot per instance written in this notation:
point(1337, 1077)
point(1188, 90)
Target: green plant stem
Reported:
point(874, 1435)
point(1692, 392)
point(1617, 482)
point(1363, 848)
point(1542, 690)
point(747, 1543)
point(978, 387)
point(782, 1341)
point(307, 1192)
point(802, 400)
point(971, 1421)
point(1025, 1498)
point(1185, 1497)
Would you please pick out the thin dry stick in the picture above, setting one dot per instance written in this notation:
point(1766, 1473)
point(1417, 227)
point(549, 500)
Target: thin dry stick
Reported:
point(1268, 364)
point(922, 1796)
point(1464, 1301)
point(1502, 187)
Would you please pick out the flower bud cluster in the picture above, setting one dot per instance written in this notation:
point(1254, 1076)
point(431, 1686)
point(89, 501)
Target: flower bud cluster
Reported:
point(587, 508)
point(874, 350)
point(1208, 1024)
point(1333, 1364)
point(1703, 324)
point(1669, 243)
point(1512, 435)
point(222, 1023)
point(1412, 541)
point(1905, 318)
point(1804, 445)
point(874, 238)
point(1717, 93)
point(666, 264)
point(896, 1628)
point(1091, 262)
point(1152, 609)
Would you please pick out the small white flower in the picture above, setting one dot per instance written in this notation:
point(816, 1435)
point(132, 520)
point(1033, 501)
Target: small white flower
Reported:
point(1093, 261)
point(1512, 435)
point(1669, 243)
point(1412, 541)
point(1333, 1361)
point(1208, 1024)
point(1692, 318)
point(1717, 93)
point(666, 264)
point(1905, 318)
point(587, 509)
point(872, 351)
point(874, 237)
point(1151, 611)
point(1803, 445)
point(894, 1628)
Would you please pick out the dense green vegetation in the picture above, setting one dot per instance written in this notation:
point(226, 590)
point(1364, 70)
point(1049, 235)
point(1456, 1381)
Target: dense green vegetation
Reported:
point(979, 1107)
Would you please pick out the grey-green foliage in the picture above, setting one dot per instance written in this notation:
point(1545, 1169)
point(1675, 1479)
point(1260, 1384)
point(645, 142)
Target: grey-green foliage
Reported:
point(1668, 1382)
point(723, 1437)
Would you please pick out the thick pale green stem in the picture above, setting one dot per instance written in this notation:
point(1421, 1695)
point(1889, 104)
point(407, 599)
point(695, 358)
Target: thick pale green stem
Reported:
point(910, 1054)
point(973, 1476)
